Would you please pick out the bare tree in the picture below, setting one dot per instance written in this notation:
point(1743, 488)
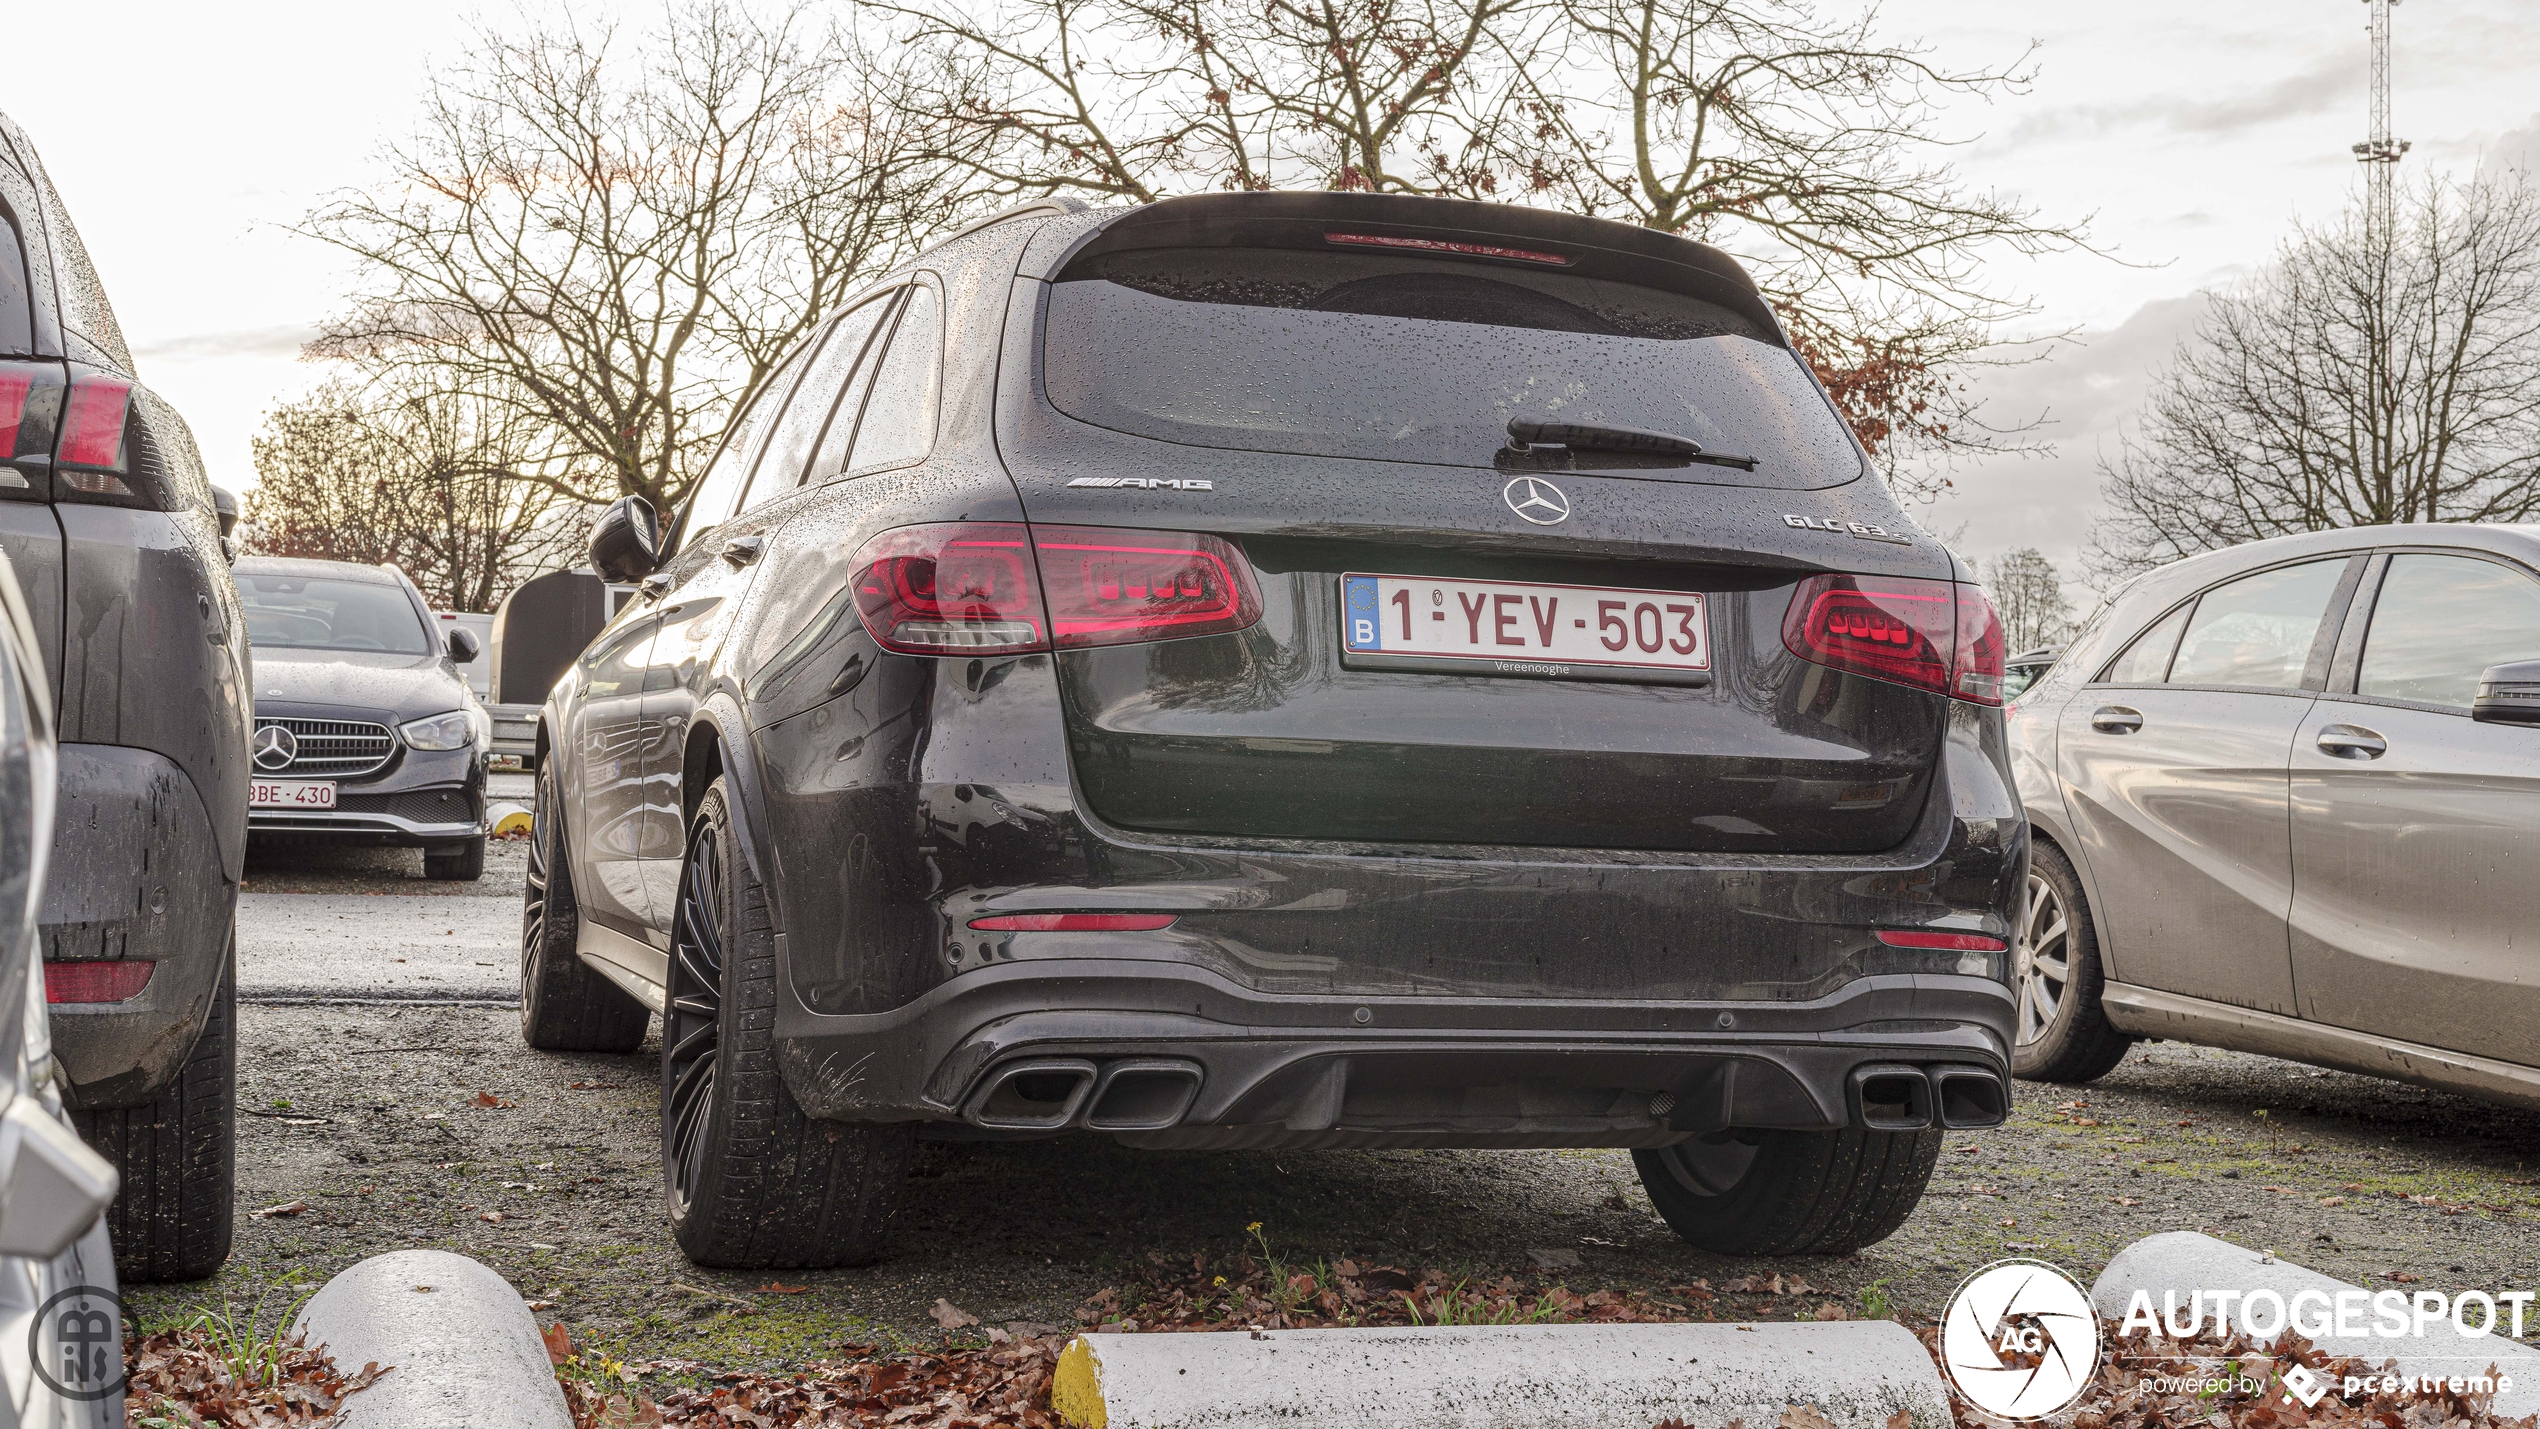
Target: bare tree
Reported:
point(1138, 99)
point(1808, 145)
point(2354, 382)
point(2030, 597)
point(625, 238)
point(418, 471)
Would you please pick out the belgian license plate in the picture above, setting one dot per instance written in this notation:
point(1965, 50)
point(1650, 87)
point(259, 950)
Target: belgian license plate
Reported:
point(1522, 628)
point(291, 794)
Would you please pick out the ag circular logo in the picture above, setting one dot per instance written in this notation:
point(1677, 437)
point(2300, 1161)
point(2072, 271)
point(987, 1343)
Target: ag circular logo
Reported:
point(76, 1343)
point(274, 747)
point(2019, 1339)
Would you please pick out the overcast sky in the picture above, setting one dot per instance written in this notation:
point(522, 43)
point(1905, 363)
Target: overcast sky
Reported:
point(2189, 133)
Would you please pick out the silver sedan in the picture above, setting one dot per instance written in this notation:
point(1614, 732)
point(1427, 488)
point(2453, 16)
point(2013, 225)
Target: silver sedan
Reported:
point(2286, 799)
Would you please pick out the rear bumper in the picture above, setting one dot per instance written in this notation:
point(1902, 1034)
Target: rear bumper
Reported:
point(1165, 1055)
point(136, 873)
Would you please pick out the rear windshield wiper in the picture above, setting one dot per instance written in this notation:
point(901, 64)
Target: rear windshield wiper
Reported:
point(1599, 436)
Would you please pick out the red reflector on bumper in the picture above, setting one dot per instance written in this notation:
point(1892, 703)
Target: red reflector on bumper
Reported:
point(108, 980)
point(1073, 922)
point(1951, 942)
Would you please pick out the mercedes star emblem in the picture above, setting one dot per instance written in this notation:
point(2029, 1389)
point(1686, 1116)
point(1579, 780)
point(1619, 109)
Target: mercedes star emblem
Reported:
point(275, 747)
point(1537, 500)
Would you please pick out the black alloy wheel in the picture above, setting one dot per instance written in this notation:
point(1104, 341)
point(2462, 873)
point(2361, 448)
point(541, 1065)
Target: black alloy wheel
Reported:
point(753, 1182)
point(692, 1028)
point(1789, 1192)
point(566, 1005)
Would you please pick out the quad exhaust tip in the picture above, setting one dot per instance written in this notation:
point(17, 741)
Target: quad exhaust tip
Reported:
point(1897, 1097)
point(1054, 1093)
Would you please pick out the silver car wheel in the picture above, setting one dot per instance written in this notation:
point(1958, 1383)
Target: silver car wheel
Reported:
point(2042, 965)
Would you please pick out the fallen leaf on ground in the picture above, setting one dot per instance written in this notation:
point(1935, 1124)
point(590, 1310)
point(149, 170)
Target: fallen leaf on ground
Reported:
point(951, 1316)
point(287, 1208)
point(592, 1086)
point(489, 1100)
point(779, 1287)
point(559, 1343)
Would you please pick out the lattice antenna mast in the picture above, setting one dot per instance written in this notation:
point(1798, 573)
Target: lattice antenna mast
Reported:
point(2381, 152)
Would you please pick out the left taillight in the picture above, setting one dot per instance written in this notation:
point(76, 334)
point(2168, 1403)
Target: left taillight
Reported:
point(1932, 635)
point(992, 588)
point(1109, 587)
point(952, 588)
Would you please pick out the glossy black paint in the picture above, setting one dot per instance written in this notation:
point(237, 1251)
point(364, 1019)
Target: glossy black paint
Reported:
point(1527, 887)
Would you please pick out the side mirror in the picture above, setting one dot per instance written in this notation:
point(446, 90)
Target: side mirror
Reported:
point(626, 540)
point(2508, 694)
point(225, 506)
point(463, 646)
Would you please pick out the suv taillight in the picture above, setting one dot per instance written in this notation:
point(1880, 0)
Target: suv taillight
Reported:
point(972, 588)
point(1932, 635)
point(30, 404)
point(953, 588)
point(93, 422)
point(1109, 587)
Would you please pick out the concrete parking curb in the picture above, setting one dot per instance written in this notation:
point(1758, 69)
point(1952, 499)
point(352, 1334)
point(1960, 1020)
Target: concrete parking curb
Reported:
point(2170, 1268)
point(1858, 1374)
point(466, 1351)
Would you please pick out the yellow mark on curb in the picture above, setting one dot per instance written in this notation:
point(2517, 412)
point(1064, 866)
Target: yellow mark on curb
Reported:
point(1076, 1387)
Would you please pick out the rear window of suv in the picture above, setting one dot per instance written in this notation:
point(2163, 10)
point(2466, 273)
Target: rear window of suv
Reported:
point(316, 613)
point(1397, 358)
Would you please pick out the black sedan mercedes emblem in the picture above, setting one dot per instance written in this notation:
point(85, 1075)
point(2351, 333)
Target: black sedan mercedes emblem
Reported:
point(274, 747)
point(1537, 500)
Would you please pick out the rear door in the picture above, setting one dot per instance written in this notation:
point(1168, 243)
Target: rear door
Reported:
point(2174, 763)
point(1577, 647)
point(2416, 830)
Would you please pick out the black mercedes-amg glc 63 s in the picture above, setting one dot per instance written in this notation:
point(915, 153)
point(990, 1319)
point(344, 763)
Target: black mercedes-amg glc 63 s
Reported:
point(1287, 670)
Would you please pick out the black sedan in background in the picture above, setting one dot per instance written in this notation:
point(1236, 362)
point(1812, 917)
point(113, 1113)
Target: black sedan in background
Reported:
point(1288, 670)
point(365, 730)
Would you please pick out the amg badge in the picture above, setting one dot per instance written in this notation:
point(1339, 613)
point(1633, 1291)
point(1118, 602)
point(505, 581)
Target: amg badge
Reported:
point(1146, 483)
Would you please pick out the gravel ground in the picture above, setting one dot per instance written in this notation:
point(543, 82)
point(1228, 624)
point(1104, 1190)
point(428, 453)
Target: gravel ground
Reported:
point(370, 1113)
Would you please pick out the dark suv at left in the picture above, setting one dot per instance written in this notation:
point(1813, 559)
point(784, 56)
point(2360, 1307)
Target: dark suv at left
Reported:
point(116, 536)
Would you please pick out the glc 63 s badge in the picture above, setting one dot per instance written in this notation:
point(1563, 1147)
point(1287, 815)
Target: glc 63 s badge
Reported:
point(1860, 530)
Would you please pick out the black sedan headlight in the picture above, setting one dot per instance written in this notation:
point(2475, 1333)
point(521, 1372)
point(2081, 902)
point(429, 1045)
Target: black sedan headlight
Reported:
point(442, 731)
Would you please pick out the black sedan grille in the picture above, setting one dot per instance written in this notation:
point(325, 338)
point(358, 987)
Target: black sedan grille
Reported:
point(332, 748)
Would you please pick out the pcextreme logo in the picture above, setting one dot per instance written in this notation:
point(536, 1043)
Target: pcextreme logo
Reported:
point(2019, 1340)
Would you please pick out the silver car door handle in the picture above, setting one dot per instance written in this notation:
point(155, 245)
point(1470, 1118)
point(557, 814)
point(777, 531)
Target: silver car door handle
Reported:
point(2116, 719)
point(2352, 741)
point(741, 550)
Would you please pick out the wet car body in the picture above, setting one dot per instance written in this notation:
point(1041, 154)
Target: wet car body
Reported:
point(347, 701)
point(1388, 905)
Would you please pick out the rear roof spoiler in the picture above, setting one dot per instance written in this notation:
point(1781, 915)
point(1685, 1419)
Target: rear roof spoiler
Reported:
point(1437, 227)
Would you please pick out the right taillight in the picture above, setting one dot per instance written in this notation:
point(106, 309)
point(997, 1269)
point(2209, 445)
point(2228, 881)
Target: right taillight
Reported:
point(953, 588)
point(1109, 587)
point(1932, 635)
point(1894, 629)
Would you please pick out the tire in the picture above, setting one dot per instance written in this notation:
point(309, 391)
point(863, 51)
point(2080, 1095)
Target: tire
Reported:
point(465, 866)
point(566, 1005)
point(2061, 1033)
point(1790, 1192)
point(178, 1156)
point(753, 1183)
